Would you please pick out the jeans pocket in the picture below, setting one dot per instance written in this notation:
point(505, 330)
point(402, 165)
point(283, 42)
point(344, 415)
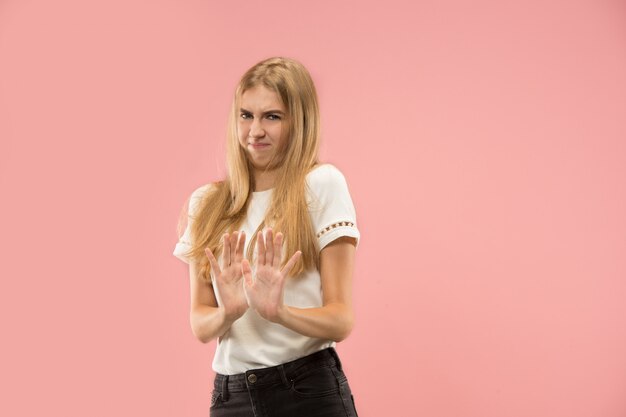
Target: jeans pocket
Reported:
point(215, 397)
point(319, 382)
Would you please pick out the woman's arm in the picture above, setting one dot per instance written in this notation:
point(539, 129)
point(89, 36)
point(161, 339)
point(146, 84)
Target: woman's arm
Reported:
point(265, 293)
point(208, 320)
point(335, 319)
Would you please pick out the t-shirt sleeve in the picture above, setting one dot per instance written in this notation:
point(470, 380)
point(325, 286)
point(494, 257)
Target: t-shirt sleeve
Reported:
point(183, 246)
point(330, 205)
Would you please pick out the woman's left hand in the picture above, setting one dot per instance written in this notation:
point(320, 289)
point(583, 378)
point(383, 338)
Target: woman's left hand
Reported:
point(265, 291)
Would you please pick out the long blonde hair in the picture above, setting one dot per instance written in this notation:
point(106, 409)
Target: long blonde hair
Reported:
point(224, 207)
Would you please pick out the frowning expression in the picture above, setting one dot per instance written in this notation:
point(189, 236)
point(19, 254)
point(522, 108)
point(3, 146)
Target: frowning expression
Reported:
point(262, 126)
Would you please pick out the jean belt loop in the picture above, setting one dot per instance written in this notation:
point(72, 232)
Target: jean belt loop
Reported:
point(283, 375)
point(225, 388)
point(336, 356)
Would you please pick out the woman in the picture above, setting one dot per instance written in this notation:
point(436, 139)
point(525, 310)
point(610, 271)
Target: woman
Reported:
point(277, 310)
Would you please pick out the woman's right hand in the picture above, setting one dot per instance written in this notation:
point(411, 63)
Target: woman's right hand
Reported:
point(229, 276)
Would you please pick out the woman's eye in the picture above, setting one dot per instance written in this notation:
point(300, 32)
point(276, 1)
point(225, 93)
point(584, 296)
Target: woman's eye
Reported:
point(273, 117)
point(245, 115)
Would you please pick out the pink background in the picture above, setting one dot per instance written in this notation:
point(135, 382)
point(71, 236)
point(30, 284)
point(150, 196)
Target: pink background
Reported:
point(484, 143)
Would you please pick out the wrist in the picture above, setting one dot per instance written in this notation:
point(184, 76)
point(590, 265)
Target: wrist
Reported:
point(229, 316)
point(282, 315)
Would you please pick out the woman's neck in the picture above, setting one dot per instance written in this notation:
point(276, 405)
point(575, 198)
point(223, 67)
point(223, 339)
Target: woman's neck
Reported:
point(264, 180)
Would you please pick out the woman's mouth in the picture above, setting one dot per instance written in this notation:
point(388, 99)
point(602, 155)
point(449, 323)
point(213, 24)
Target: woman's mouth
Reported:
point(260, 145)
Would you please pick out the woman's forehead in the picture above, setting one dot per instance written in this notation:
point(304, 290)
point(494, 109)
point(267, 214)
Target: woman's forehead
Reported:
point(261, 98)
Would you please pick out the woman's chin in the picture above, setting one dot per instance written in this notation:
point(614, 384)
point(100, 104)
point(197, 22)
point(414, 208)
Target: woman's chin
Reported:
point(260, 165)
point(263, 165)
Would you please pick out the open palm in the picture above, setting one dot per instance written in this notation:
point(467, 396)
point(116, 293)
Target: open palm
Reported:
point(265, 290)
point(229, 276)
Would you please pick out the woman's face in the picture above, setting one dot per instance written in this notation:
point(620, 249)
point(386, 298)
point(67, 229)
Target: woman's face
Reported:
point(262, 126)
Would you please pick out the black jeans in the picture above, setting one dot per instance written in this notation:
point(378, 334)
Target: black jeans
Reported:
point(314, 385)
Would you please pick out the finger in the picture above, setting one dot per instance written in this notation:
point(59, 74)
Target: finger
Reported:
point(241, 243)
point(278, 249)
point(233, 246)
point(213, 261)
point(247, 272)
point(291, 263)
point(260, 249)
point(226, 249)
point(269, 246)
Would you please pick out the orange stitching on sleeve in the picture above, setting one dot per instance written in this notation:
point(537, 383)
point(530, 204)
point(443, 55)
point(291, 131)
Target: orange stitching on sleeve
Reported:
point(334, 226)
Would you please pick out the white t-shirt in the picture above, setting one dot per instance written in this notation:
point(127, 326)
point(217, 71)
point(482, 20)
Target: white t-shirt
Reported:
point(253, 342)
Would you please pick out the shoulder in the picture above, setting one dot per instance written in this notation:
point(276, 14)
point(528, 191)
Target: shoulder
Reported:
point(199, 194)
point(202, 190)
point(325, 176)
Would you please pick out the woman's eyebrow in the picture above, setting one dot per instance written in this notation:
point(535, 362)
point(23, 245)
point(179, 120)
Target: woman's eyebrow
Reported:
point(265, 112)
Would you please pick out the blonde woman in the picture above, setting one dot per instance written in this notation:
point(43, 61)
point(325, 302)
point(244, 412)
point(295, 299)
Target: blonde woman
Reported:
point(271, 252)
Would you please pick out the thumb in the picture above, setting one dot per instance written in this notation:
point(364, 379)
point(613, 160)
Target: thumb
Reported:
point(247, 272)
point(291, 263)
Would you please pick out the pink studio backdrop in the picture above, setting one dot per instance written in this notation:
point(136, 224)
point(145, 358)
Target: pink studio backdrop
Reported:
point(484, 145)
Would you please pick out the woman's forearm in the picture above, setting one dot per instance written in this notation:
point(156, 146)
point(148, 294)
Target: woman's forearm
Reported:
point(208, 323)
point(332, 321)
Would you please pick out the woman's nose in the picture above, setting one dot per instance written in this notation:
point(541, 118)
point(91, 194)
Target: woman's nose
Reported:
point(256, 130)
